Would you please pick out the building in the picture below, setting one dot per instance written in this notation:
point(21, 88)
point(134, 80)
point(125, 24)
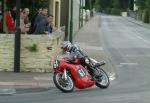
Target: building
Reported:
point(60, 9)
point(135, 6)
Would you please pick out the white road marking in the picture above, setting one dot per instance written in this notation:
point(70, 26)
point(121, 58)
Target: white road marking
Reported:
point(128, 63)
point(142, 39)
point(139, 37)
point(141, 55)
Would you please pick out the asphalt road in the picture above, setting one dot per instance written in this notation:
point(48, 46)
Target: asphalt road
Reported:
point(129, 46)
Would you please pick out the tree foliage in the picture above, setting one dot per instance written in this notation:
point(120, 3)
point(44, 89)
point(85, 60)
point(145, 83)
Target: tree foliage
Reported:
point(142, 4)
point(29, 3)
point(103, 3)
point(115, 4)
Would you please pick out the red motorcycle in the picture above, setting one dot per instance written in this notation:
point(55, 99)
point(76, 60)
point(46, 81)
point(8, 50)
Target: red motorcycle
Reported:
point(78, 70)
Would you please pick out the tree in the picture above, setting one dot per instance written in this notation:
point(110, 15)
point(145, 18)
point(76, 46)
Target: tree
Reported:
point(103, 4)
point(144, 10)
point(141, 4)
point(123, 4)
point(147, 4)
point(88, 4)
point(115, 4)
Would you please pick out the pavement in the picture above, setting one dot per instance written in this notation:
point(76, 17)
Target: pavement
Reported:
point(24, 82)
point(90, 39)
point(147, 25)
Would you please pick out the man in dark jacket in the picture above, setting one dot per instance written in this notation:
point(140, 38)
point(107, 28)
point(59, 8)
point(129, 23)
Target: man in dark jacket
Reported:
point(32, 27)
point(41, 22)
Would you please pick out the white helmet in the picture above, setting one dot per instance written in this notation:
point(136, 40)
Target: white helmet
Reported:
point(66, 45)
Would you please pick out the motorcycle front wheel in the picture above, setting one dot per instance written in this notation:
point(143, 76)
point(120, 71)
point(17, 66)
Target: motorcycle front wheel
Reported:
point(102, 80)
point(62, 84)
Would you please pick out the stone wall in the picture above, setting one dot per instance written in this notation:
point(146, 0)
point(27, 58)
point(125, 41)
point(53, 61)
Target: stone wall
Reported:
point(37, 51)
point(6, 52)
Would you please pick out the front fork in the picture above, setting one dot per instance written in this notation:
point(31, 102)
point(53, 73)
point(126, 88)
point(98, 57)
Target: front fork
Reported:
point(64, 76)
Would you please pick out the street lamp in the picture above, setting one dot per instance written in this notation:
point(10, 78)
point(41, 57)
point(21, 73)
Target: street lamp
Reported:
point(17, 39)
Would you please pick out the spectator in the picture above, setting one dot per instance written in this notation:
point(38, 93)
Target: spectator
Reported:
point(41, 22)
point(26, 12)
point(13, 13)
point(10, 22)
point(50, 26)
point(32, 27)
point(24, 21)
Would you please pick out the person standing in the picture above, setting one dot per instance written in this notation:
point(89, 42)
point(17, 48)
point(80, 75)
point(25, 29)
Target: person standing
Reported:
point(41, 22)
point(13, 13)
point(10, 22)
point(32, 27)
point(50, 26)
point(24, 21)
point(26, 12)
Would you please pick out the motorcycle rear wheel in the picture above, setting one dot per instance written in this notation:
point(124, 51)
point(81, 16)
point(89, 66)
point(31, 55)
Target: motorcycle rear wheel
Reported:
point(63, 85)
point(102, 80)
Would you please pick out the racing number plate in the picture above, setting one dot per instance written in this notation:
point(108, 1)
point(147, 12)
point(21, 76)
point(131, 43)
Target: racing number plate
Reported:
point(81, 72)
point(55, 64)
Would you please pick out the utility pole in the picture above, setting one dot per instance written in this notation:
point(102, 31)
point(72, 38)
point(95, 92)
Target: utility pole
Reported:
point(67, 21)
point(80, 14)
point(129, 4)
point(17, 39)
point(71, 22)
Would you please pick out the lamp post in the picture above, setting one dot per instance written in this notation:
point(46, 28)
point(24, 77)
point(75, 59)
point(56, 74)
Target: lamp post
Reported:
point(17, 39)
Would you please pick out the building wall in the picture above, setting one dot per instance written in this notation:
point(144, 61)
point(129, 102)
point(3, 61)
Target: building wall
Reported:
point(76, 15)
point(39, 60)
point(55, 6)
point(64, 18)
point(135, 7)
point(64, 12)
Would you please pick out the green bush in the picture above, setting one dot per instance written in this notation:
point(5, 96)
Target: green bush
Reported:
point(146, 16)
point(108, 10)
point(32, 48)
point(115, 11)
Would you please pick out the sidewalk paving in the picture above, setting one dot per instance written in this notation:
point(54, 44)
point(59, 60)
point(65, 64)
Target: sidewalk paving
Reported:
point(89, 39)
point(11, 82)
point(137, 22)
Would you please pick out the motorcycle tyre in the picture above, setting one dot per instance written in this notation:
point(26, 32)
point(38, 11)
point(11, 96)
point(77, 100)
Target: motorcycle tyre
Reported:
point(100, 85)
point(59, 87)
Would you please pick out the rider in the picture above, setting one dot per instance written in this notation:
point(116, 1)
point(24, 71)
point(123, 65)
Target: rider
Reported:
point(69, 49)
point(66, 46)
point(72, 49)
